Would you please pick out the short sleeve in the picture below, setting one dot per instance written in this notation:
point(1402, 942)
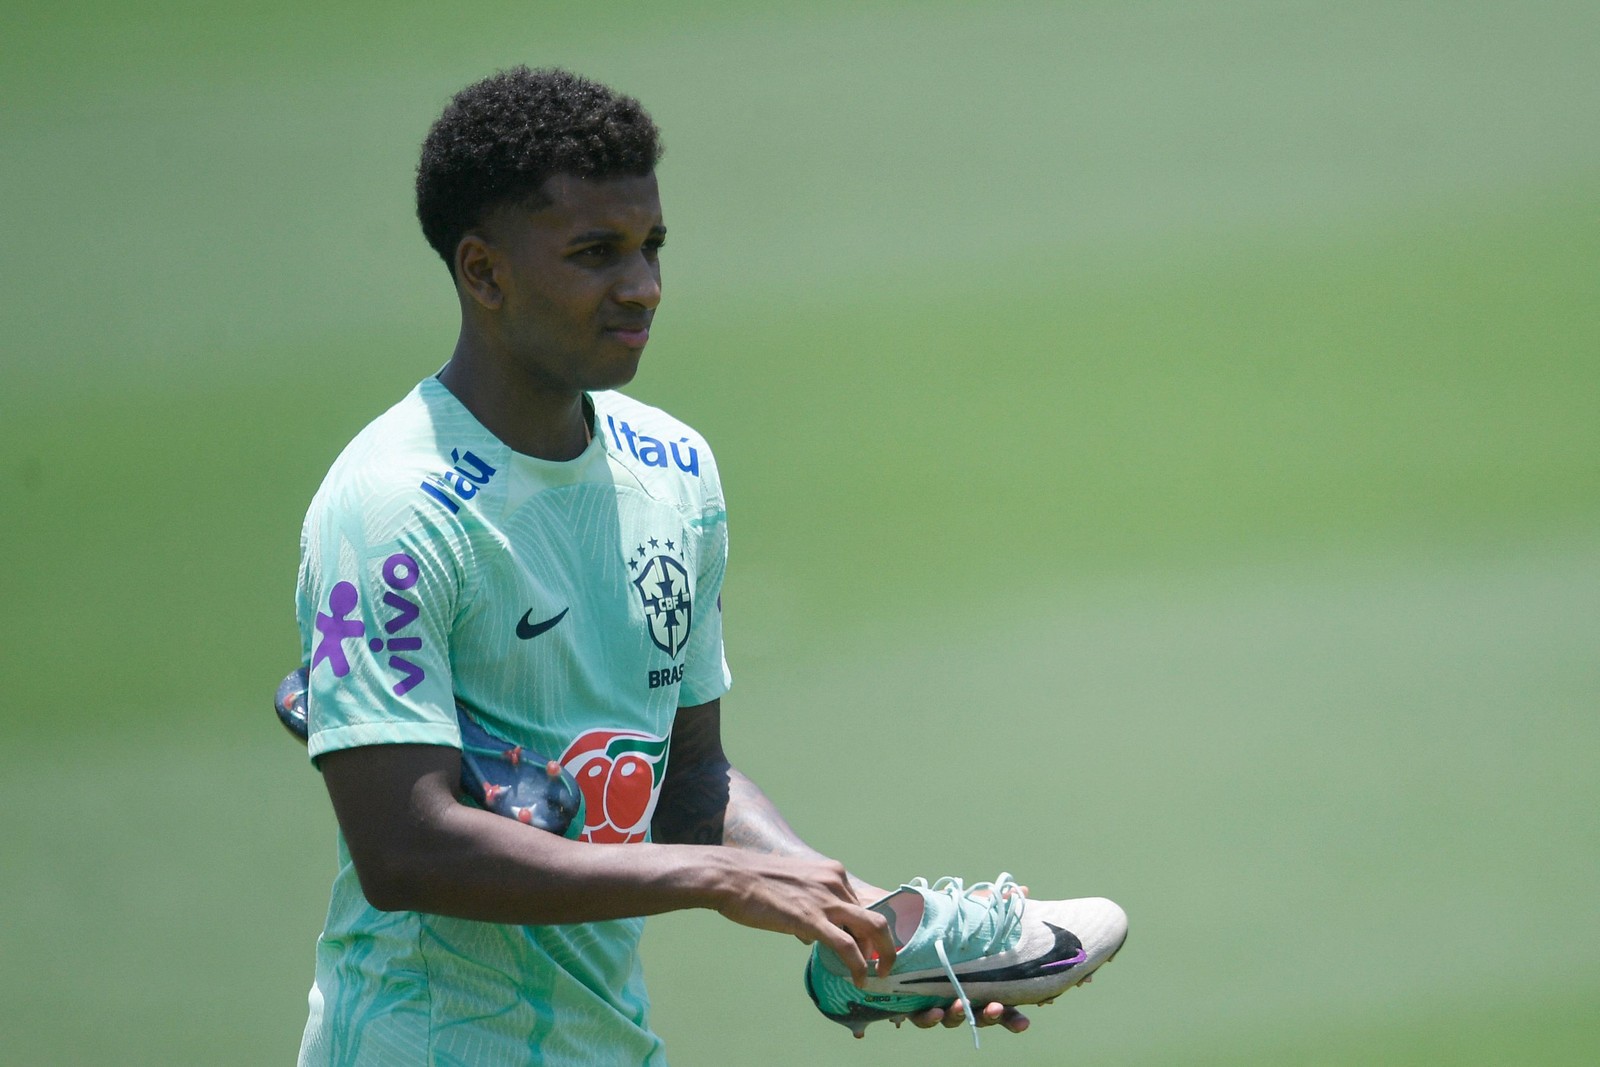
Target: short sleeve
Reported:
point(379, 590)
point(705, 666)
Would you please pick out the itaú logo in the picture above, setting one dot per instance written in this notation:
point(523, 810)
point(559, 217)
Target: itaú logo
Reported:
point(619, 773)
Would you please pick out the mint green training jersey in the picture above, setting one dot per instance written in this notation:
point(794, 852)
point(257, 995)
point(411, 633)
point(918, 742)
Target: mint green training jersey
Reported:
point(572, 608)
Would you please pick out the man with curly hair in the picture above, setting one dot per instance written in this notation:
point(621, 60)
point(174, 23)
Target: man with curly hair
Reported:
point(516, 536)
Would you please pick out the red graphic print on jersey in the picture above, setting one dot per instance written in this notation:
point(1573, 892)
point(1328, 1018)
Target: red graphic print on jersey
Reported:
point(619, 772)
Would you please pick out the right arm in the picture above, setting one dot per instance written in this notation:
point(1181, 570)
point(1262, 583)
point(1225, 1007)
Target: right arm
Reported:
point(416, 847)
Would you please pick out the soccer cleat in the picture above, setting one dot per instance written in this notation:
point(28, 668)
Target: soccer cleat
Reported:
point(501, 777)
point(980, 945)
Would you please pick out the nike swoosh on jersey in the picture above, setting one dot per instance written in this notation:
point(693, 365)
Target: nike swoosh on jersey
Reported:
point(1067, 951)
point(527, 628)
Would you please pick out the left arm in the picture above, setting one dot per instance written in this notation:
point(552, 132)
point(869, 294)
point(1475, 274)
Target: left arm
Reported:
point(705, 800)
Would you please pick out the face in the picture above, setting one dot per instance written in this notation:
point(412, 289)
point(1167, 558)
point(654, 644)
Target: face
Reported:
point(577, 281)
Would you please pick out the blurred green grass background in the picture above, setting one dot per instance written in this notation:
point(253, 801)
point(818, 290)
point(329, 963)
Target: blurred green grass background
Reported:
point(1162, 450)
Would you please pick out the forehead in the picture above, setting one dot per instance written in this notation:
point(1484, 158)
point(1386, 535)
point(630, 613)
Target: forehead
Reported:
point(627, 205)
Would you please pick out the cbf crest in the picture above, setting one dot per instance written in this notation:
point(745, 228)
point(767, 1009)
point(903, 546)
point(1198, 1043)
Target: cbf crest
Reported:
point(663, 586)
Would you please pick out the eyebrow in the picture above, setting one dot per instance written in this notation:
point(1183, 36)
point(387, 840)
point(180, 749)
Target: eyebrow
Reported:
point(591, 236)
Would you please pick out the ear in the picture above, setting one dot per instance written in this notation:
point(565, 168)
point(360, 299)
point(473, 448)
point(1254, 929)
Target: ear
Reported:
point(475, 271)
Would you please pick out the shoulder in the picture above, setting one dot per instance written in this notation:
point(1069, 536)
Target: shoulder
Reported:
point(656, 446)
point(409, 470)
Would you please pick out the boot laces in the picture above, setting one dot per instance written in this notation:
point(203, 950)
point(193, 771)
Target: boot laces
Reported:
point(1001, 899)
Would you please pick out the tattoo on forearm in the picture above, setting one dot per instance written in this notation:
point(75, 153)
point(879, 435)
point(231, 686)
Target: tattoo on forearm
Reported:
point(711, 803)
point(753, 822)
point(714, 804)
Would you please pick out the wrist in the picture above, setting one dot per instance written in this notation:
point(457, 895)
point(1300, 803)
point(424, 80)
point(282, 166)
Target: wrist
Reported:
point(705, 876)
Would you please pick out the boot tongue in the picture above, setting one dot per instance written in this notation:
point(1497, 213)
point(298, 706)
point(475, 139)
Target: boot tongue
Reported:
point(907, 910)
point(904, 909)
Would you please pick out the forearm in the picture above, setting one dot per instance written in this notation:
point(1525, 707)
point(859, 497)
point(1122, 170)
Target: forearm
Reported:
point(416, 847)
point(467, 863)
point(714, 803)
point(471, 864)
point(752, 822)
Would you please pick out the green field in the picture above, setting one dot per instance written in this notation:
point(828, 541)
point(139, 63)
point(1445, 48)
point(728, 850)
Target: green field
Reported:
point(1163, 457)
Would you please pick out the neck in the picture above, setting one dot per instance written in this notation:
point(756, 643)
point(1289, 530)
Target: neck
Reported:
point(539, 422)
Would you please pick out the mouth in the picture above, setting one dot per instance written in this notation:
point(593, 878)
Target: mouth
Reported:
point(631, 336)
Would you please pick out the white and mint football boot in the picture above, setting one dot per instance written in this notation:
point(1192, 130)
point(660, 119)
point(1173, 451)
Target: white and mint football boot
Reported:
point(985, 944)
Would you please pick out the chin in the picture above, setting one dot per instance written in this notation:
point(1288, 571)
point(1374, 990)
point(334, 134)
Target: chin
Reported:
point(614, 375)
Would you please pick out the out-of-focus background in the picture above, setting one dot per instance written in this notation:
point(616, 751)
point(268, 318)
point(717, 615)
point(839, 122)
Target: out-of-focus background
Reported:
point(1163, 454)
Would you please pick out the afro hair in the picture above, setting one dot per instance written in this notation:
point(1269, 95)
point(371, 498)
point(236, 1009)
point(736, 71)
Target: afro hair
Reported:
point(500, 139)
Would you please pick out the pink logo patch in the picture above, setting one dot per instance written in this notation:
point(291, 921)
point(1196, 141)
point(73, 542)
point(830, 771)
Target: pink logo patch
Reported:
point(619, 773)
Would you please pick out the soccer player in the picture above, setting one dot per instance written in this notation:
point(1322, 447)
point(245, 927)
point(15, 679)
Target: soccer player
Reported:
point(516, 536)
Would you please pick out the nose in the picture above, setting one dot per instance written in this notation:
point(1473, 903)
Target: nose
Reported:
point(640, 284)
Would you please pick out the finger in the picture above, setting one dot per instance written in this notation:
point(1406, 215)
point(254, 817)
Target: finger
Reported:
point(926, 1020)
point(955, 1014)
point(881, 945)
point(1000, 1015)
point(871, 933)
point(844, 946)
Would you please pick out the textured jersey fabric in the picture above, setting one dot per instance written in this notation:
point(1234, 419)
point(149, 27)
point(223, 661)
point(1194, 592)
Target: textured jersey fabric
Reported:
point(570, 607)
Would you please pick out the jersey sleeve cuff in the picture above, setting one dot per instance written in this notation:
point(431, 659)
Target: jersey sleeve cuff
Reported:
point(383, 733)
point(693, 696)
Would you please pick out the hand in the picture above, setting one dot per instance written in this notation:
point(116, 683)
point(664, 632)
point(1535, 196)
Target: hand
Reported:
point(956, 1015)
point(811, 899)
